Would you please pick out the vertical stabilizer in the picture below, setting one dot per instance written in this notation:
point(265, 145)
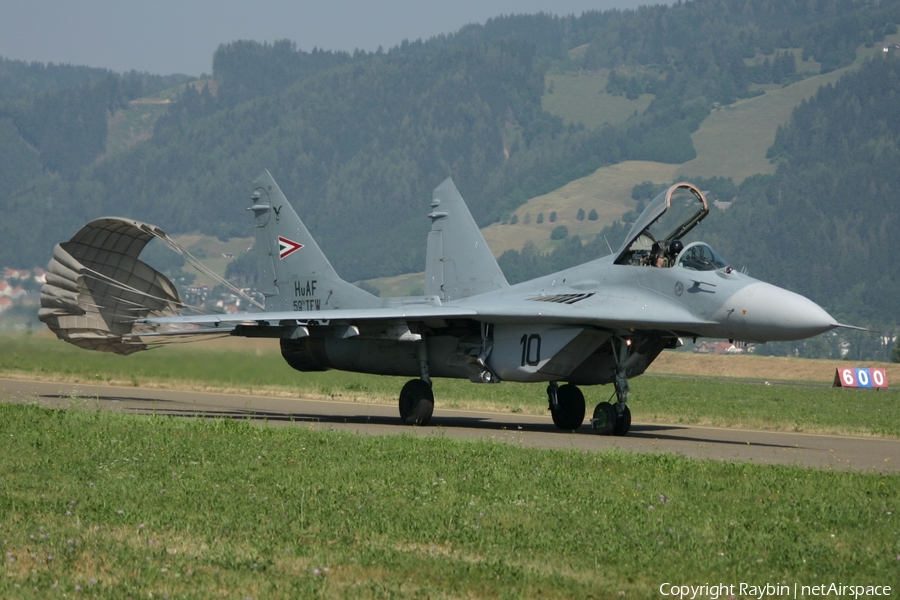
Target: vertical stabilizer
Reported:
point(458, 263)
point(294, 273)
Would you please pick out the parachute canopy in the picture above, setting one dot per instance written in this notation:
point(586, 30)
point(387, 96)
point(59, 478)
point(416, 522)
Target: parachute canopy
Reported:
point(97, 287)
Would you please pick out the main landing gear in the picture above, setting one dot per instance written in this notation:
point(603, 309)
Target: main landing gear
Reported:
point(566, 402)
point(416, 397)
point(416, 402)
point(566, 405)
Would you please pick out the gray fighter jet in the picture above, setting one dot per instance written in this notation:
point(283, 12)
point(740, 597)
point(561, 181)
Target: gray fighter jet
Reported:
point(602, 322)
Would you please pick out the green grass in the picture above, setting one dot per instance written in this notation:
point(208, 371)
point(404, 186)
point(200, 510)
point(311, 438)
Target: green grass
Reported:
point(581, 97)
point(653, 398)
point(97, 504)
point(761, 406)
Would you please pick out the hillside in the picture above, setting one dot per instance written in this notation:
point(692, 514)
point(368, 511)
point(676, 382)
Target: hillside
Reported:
point(731, 142)
point(418, 100)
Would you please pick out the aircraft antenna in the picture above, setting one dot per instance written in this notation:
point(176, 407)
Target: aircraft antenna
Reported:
point(607, 244)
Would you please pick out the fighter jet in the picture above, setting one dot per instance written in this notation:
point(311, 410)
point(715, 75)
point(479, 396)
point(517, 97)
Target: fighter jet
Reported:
point(602, 322)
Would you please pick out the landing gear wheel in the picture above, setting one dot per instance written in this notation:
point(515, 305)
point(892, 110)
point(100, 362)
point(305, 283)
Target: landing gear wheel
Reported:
point(570, 414)
point(416, 403)
point(623, 422)
point(604, 421)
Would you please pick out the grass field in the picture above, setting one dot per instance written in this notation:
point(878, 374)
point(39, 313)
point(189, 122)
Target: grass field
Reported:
point(106, 505)
point(581, 97)
point(681, 388)
point(101, 505)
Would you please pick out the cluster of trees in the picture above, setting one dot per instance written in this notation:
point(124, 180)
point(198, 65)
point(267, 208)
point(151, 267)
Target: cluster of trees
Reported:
point(68, 128)
point(64, 129)
point(19, 78)
point(632, 87)
point(247, 69)
point(779, 70)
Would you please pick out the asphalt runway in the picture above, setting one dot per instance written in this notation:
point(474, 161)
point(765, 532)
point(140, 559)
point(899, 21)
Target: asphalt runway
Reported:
point(819, 451)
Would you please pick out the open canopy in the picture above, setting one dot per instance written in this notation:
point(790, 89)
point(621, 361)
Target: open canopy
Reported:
point(671, 215)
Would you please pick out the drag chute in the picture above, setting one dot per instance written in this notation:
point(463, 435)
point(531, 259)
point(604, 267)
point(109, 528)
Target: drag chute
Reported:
point(97, 287)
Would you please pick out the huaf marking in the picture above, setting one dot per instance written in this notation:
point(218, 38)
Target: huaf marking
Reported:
point(304, 291)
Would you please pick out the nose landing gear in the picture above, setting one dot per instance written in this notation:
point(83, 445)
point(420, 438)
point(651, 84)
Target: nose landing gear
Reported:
point(615, 419)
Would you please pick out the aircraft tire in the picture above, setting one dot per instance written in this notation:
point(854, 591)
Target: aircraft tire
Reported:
point(623, 423)
point(570, 414)
point(416, 403)
point(604, 421)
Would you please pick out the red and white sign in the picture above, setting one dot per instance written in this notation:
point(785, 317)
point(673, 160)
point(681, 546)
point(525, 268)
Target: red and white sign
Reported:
point(860, 377)
point(287, 247)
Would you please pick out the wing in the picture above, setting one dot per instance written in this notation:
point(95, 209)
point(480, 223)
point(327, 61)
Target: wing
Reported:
point(620, 313)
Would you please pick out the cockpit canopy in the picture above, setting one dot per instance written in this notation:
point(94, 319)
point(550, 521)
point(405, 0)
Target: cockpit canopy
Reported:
point(700, 257)
point(671, 215)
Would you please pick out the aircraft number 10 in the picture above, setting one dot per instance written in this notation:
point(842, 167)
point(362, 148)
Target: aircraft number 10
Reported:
point(531, 349)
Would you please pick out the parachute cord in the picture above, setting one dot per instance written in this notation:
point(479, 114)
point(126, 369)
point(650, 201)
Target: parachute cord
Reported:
point(87, 271)
point(118, 284)
point(200, 266)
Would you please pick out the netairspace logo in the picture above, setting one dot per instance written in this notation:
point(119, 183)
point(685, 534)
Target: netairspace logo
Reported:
point(715, 591)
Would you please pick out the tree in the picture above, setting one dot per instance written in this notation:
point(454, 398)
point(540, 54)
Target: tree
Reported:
point(540, 218)
point(559, 232)
point(593, 216)
point(646, 190)
point(553, 217)
point(895, 355)
point(580, 215)
point(514, 219)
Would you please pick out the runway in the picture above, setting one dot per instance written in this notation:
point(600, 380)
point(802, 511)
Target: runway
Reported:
point(818, 451)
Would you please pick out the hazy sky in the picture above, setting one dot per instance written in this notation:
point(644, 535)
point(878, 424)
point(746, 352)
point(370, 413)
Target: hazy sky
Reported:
point(180, 36)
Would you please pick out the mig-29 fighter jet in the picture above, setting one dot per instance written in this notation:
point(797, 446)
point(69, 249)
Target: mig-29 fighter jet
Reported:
point(601, 322)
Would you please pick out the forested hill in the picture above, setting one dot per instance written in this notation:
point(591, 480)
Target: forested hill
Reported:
point(358, 141)
point(19, 78)
point(54, 118)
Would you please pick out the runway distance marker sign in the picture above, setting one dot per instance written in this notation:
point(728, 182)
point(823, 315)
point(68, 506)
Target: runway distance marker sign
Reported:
point(860, 377)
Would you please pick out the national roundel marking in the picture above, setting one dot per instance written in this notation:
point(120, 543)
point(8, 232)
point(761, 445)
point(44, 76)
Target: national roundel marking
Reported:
point(287, 247)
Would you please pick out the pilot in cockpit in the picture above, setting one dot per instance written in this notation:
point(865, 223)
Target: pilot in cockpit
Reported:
point(657, 256)
point(675, 249)
point(663, 255)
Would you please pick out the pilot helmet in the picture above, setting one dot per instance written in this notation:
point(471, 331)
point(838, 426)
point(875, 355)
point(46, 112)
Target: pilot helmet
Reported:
point(675, 247)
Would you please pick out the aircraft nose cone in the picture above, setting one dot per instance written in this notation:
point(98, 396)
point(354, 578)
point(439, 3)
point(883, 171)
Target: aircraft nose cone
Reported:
point(771, 313)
